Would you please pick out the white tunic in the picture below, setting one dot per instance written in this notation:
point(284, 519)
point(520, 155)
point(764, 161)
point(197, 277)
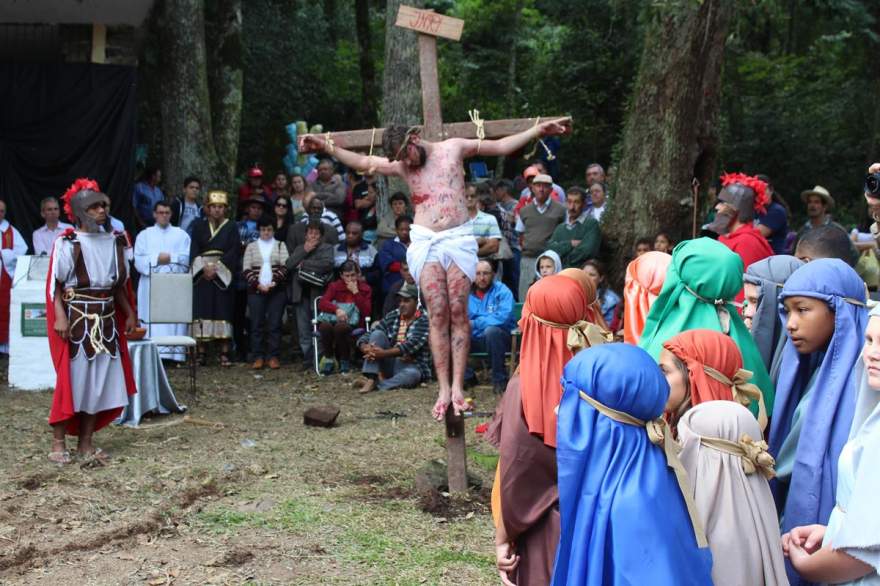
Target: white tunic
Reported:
point(150, 243)
point(98, 384)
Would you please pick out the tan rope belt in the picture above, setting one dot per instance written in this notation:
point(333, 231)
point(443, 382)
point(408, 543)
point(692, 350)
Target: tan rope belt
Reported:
point(753, 455)
point(744, 392)
point(659, 434)
point(582, 334)
point(95, 334)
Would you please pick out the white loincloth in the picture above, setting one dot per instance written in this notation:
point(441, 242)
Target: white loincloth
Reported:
point(453, 246)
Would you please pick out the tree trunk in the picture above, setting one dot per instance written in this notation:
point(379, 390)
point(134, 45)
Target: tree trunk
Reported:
point(670, 135)
point(401, 85)
point(187, 137)
point(367, 68)
point(225, 80)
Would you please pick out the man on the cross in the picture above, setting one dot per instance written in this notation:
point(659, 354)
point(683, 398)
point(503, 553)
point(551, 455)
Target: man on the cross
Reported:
point(443, 255)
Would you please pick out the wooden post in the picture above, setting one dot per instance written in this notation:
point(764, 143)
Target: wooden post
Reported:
point(430, 25)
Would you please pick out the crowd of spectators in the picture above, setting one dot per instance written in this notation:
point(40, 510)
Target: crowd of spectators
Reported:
point(331, 230)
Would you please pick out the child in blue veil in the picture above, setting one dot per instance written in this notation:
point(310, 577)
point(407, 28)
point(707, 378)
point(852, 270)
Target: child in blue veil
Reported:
point(624, 518)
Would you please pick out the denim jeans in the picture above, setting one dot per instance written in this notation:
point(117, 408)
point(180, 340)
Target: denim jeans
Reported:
point(495, 342)
point(510, 273)
point(266, 312)
point(397, 373)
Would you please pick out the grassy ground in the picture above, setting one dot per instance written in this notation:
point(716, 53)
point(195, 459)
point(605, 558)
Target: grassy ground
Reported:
point(183, 503)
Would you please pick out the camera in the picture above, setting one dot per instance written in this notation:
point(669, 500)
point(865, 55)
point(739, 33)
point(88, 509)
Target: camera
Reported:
point(872, 184)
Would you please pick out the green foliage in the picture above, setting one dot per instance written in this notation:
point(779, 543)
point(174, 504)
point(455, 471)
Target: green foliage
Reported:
point(800, 103)
point(298, 66)
point(576, 62)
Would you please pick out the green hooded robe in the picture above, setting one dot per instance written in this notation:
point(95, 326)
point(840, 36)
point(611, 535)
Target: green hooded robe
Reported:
point(714, 275)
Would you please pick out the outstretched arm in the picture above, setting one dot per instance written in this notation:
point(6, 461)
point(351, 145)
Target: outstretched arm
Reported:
point(514, 142)
point(310, 143)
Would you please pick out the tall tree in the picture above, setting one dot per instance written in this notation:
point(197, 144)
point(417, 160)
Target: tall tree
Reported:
point(199, 137)
point(401, 84)
point(670, 134)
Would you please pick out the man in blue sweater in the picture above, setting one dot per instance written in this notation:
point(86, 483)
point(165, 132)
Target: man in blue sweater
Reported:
point(490, 310)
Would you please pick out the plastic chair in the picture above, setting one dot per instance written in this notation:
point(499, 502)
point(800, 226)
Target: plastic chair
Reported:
point(171, 303)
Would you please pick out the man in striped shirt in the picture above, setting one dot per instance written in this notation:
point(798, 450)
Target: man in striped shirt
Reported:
point(396, 352)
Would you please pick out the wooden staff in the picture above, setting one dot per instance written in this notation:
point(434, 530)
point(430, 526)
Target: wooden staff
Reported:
point(695, 188)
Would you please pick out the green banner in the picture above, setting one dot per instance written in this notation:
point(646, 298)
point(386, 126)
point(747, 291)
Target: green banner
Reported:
point(33, 320)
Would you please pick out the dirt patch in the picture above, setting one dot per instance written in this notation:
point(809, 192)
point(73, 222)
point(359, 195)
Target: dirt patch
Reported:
point(234, 557)
point(448, 506)
point(205, 489)
point(192, 504)
point(35, 481)
point(23, 555)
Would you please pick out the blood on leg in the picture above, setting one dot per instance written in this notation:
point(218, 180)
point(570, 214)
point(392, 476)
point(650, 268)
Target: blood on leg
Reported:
point(436, 298)
point(458, 288)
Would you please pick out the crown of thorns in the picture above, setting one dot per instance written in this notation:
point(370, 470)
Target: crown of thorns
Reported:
point(407, 137)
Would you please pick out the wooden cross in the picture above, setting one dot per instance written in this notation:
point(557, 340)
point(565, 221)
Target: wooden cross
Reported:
point(431, 25)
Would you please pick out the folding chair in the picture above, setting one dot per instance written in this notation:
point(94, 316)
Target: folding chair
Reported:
point(316, 335)
point(171, 303)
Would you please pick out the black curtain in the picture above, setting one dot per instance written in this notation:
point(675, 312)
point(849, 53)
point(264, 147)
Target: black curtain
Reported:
point(59, 122)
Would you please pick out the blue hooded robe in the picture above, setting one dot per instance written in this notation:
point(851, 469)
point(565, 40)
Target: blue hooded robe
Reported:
point(826, 384)
point(623, 517)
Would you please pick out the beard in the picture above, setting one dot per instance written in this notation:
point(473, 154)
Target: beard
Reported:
point(423, 156)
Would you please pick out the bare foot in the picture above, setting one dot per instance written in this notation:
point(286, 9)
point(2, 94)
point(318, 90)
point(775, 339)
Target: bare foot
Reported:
point(368, 387)
point(459, 405)
point(439, 410)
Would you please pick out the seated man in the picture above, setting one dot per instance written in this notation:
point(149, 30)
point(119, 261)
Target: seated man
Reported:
point(490, 310)
point(396, 352)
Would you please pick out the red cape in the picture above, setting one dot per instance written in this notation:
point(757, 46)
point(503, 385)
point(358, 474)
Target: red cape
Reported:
point(751, 246)
point(62, 401)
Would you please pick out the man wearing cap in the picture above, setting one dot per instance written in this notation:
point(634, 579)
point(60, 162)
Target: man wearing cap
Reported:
point(443, 253)
point(329, 188)
point(530, 172)
point(535, 225)
point(819, 203)
point(396, 352)
point(254, 185)
point(741, 197)
point(215, 254)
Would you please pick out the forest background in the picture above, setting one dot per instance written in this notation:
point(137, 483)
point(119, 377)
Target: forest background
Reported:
point(796, 84)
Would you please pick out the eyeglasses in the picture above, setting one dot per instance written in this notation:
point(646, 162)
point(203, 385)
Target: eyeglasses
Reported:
point(281, 205)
